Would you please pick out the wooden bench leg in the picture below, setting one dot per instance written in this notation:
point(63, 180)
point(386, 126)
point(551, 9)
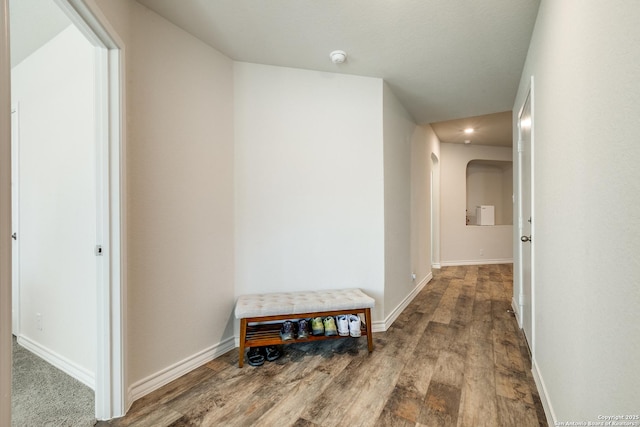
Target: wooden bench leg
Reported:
point(367, 319)
point(243, 339)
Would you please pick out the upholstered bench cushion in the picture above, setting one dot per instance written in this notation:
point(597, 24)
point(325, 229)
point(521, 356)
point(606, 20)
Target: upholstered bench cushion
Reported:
point(273, 304)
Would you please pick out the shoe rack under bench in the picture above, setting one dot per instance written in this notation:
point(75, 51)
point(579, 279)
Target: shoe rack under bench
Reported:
point(254, 332)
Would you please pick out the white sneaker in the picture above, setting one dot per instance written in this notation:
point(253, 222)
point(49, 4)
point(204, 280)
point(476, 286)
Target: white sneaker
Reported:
point(343, 325)
point(354, 325)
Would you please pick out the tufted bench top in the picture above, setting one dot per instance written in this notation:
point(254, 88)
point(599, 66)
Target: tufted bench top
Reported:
point(277, 303)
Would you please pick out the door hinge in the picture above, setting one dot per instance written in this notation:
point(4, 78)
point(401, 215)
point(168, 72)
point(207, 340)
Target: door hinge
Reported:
point(99, 251)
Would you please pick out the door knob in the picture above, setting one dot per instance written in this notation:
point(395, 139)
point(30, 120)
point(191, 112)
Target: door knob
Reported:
point(14, 236)
point(526, 238)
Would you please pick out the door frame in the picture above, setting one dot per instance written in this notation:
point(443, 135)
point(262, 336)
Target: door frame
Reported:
point(110, 394)
point(520, 220)
point(15, 220)
point(110, 397)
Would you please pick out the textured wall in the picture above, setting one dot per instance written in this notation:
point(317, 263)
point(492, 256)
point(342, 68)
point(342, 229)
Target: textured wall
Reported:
point(585, 63)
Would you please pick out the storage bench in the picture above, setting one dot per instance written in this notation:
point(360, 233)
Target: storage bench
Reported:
point(261, 315)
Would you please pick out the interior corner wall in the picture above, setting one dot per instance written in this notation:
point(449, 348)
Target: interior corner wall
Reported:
point(309, 181)
point(180, 294)
point(398, 134)
point(54, 90)
point(434, 200)
point(586, 101)
point(421, 233)
point(433, 143)
point(462, 244)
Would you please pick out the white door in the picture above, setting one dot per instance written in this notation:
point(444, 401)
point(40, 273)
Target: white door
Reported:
point(526, 219)
point(15, 217)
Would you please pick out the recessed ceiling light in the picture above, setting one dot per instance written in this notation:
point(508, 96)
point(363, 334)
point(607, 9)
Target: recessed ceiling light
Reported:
point(468, 131)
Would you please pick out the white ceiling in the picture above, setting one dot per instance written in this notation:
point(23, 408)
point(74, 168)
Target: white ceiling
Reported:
point(488, 129)
point(444, 59)
point(32, 24)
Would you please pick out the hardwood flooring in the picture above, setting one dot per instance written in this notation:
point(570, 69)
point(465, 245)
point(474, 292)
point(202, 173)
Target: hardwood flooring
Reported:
point(454, 357)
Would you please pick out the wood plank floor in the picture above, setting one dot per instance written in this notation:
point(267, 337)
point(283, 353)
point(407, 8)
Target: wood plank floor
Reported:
point(454, 357)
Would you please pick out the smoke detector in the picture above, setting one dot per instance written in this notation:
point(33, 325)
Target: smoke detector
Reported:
point(338, 56)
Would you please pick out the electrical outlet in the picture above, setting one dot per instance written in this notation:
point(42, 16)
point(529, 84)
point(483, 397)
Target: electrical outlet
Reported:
point(481, 252)
point(39, 321)
point(413, 276)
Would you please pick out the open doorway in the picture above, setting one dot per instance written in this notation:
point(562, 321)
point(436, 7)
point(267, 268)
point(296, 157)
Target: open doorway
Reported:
point(105, 247)
point(56, 268)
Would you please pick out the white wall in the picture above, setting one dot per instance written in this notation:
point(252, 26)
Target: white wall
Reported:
point(398, 133)
point(508, 195)
point(180, 197)
point(309, 181)
point(54, 90)
point(586, 216)
point(179, 132)
point(461, 244)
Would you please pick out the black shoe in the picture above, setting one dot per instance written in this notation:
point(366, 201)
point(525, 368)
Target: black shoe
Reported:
point(287, 332)
point(255, 357)
point(303, 329)
point(272, 352)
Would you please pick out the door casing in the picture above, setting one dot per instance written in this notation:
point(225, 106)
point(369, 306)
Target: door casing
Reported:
point(15, 222)
point(526, 219)
point(110, 393)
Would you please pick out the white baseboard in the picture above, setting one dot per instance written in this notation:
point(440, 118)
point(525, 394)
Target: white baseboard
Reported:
point(67, 366)
point(516, 311)
point(378, 326)
point(477, 262)
point(436, 265)
point(165, 376)
point(382, 326)
point(542, 392)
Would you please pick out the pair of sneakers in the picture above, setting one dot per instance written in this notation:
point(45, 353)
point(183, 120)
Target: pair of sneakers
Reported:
point(349, 324)
point(326, 326)
point(291, 330)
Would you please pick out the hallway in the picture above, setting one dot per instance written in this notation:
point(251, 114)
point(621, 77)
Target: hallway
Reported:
point(454, 357)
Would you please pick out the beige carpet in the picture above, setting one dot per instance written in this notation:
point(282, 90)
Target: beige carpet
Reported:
point(42, 395)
